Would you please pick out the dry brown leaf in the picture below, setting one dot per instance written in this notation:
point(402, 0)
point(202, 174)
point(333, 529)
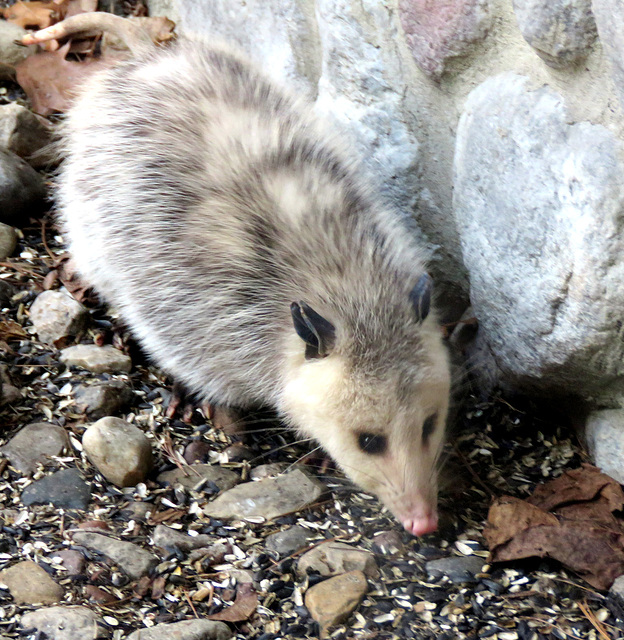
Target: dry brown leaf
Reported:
point(244, 606)
point(581, 531)
point(11, 330)
point(50, 81)
point(35, 15)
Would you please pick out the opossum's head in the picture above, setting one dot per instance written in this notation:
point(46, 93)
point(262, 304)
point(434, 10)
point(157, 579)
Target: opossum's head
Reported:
point(374, 392)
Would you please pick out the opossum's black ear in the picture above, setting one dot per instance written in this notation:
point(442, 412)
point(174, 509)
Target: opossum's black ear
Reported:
point(318, 334)
point(420, 296)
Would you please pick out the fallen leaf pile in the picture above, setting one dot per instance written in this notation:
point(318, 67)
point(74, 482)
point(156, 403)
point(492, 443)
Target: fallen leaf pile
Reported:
point(50, 78)
point(570, 519)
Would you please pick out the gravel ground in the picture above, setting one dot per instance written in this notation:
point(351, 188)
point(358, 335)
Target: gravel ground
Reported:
point(438, 586)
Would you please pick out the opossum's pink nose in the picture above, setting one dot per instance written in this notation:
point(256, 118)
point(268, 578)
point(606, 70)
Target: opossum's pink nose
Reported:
point(422, 524)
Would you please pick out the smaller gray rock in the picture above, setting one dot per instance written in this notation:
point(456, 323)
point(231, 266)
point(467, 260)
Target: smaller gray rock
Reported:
point(65, 489)
point(8, 240)
point(121, 452)
point(72, 560)
point(165, 537)
point(213, 554)
point(561, 31)
point(268, 498)
point(239, 453)
point(289, 540)
point(103, 398)
point(200, 477)
point(22, 189)
point(25, 134)
point(388, 543)
point(6, 293)
point(33, 444)
point(105, 359)
point(12, 53)
point(130, 558)
point(65, 623)
point(28, 583)
point(56, 316)
point(458, 569)
point(185, 630)
point(331, 558)
point(604, 432)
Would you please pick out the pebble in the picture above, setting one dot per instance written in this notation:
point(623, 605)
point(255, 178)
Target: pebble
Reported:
point(617, 589)
point(130, 558)
point(458, 569)
point(24, 133)
point(268, 498)
point(197, 451)
point(166, 537)
point(185, 630)
point(103, 398)
point(64, 623)
point(35, 443)
point(199, 475)
point(11, 52)
point(96, 359)
point(28, 583)
point(561, 33)
point(6, 293)
point(71, 560)
point(8, 240)
point(57, 316)
point(289, 540)
point(138, 510)
point(239, 453)
point(65, 489)
point(268, 470)
point(331, 558)
point(388, 543)
point(604, 434)
point(22, 189)
point(121, 452)
point(332, 601)
point(10, 394)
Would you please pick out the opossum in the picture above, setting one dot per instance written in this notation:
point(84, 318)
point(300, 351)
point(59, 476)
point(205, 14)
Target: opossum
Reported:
point(240, 241)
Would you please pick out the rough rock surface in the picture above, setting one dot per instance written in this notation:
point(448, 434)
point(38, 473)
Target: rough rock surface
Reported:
point(436, 32)
point(561, 31)
point(333, 557)
point(12, 53)
point(604, 431)
point(73, 561)
point(22, 190)
point(332, 601)
point(121, 452)
point(105, 359)
point(56, 316)
point(538, 204)
point(23, 133)
point(103, 398)
point(131, 559)
point(289, 540)
point(609, 15)
point(268, 498)
point(8, 240)
point(200, 477)
point(30, 584)
point(65, 489)
point(33, 444)
point(64, 623)
point(185, 630)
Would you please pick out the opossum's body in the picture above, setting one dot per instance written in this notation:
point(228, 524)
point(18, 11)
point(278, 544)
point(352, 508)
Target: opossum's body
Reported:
point(201, 201)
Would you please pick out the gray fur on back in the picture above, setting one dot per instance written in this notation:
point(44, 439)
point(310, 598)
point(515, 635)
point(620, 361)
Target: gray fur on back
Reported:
point(201, 200)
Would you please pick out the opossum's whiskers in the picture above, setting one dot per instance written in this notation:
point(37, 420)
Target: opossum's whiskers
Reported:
point(300, 458)
point(284, 446)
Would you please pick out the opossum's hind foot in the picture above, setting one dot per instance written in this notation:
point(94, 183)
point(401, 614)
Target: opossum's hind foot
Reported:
point(183, 404)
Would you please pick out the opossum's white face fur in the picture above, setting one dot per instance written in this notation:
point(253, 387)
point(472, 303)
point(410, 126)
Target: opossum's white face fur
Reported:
point(383, 425)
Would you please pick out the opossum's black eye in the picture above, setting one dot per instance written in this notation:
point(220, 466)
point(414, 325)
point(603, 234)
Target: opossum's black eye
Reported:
point(428, 428)
point(372, 443)
point(318, 334)
point(420, 296)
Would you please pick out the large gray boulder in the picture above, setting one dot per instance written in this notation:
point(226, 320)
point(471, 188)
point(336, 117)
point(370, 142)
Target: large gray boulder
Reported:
point(539, 204)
